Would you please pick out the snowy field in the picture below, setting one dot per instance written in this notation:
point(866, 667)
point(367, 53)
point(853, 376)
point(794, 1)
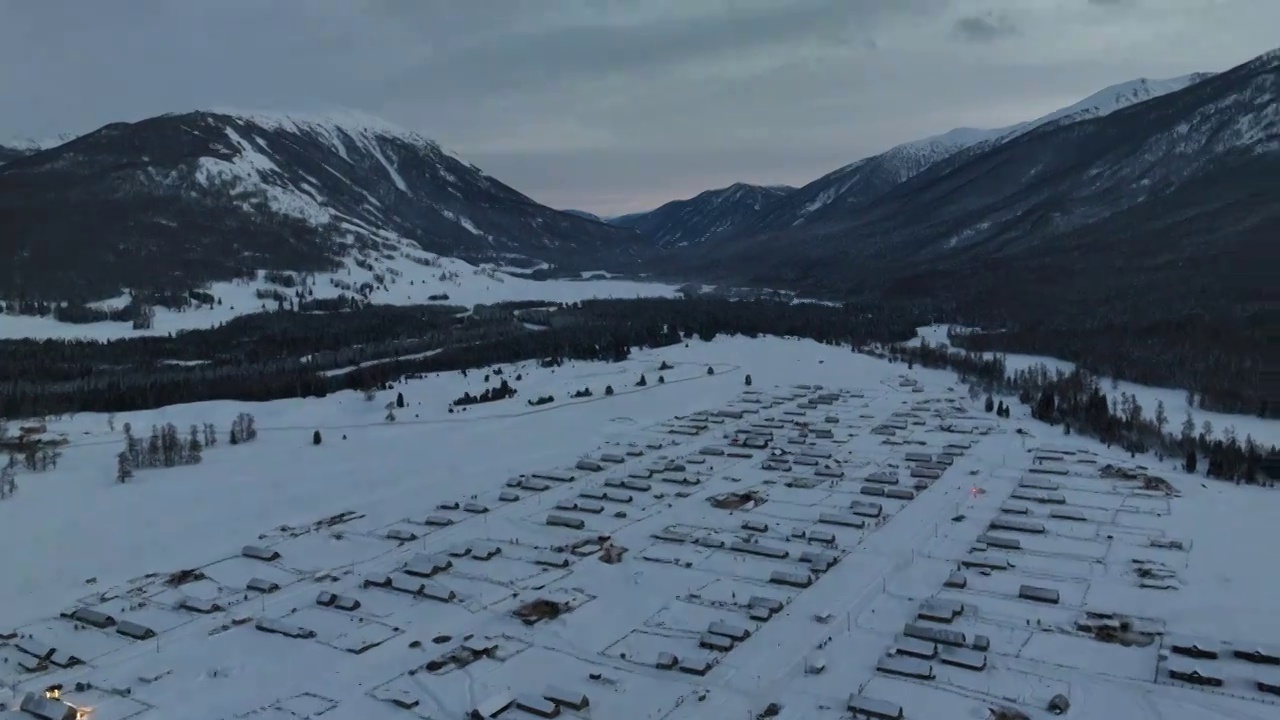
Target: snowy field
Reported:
point(408, 568)
point(410, 283)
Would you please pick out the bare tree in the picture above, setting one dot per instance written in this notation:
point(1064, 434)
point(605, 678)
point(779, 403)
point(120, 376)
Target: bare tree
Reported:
point(124, 467)
point(8, 478)
point(1188, 428)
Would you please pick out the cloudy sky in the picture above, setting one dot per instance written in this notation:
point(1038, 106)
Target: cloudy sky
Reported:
point(613, 105)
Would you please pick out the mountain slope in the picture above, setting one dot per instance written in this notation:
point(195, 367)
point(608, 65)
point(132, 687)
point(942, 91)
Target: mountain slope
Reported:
point(708, 215)
point(8, 153)
point(584, 215)
point(1183, 180)
point(181, 199)
point(865, 180)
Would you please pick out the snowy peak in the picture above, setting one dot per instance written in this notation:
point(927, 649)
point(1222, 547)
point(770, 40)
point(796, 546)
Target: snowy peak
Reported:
point(710, 214)
point(31, 145)
point(1107, 101)
point(211, 195)
point(865, 180)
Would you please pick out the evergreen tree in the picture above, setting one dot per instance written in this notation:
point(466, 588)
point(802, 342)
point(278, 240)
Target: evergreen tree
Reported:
point(315, 438)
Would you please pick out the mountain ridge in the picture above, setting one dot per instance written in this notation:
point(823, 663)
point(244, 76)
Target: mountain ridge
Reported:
point(1055, 187)
point(209, 195)
point(707, 215)
point(867, 179)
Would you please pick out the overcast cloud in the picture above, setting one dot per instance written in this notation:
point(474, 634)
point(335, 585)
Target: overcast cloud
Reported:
point(613, 105)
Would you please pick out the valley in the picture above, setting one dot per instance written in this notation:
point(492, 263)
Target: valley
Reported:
point(305, 416)
point(690, 548)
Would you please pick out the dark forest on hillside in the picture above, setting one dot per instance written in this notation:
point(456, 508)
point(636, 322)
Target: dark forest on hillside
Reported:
point(285, 353)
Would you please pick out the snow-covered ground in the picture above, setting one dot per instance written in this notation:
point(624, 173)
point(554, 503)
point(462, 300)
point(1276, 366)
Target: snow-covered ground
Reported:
point(1265, 432)
point(465, 284)
point(681, 571)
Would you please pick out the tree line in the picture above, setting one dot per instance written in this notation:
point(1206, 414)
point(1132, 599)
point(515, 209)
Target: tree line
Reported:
point(1218, 360)
point(277, 355)
point(1076, 402)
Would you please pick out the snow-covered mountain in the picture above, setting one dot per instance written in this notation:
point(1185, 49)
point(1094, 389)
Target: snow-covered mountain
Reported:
point(1172, 199)
point(185, 198)
point(710, 214)
point(16, 147)
point(867, 179)
point(8, 153)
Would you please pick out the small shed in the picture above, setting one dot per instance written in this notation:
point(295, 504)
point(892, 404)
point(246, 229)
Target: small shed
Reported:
point(200, 605)
point(401, 535)
point(963, 658)
point(95, 618)
point(1193, 675)
point(882, 478)
point(46, 708)
point(1038, 594)
point(1013, 524)
point(696, 665)
point(258, 552)
point(1258, 655)
point(999, 541)
point(588, 466)
point(866, 509)
point(435, 591)
point(1197, 649)
point(957, 581)
point(492, 706)
point(724, 629)
point(905, 666)
point(278, 627)
point(773, 605)
point(915, 647)
point(571, 699)
point(791, 579)
point(754, 548)
point(261, 585)
point(711, 641)
point(843, 519)
point(821, 537)
point(572, 523)
point(873, 708)
point(339, 602)
point(423, 565)
point(134, 630)
point(538, 706)
point(666, 661)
